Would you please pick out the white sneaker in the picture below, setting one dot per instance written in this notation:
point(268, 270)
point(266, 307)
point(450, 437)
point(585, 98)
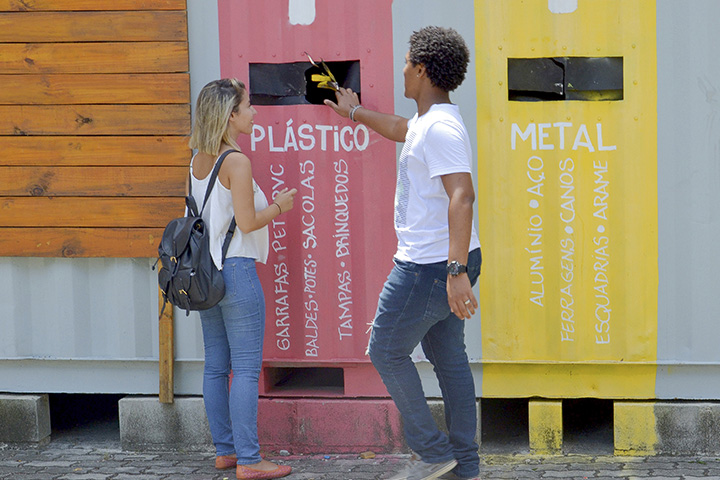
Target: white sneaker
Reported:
point(419, 470)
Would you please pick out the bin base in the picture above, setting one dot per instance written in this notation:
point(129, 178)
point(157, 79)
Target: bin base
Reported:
point(316, 426)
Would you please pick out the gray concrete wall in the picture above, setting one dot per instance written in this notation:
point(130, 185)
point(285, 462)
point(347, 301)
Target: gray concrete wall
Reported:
point(688, 198)
point(90, 325)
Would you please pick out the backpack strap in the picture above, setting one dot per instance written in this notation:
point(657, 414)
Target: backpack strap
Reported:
point(191, 205)
point(228, 237)
point(190, 202)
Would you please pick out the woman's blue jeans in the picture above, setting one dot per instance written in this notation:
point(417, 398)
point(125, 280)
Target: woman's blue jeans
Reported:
point(233, 334)
point(413, 308)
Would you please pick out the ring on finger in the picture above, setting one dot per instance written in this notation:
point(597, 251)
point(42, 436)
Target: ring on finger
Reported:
point(468, 301)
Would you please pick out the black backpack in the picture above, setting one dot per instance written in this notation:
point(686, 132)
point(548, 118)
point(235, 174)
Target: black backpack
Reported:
point(188, 276)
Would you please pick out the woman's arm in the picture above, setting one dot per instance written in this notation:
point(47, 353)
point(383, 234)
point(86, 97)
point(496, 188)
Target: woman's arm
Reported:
point(239, 174)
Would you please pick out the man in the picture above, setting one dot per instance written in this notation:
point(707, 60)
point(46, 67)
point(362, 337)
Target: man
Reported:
point(428, 294)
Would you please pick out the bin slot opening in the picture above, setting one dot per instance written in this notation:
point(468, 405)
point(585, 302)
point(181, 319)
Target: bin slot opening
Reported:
point(291, 84)
point(565, 78)
point(315, 379)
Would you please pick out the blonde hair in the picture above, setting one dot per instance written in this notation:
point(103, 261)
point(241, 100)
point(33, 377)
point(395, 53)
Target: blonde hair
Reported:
point(216, 101)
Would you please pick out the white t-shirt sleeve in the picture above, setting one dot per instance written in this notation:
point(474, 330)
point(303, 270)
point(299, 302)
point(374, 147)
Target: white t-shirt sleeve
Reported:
point(446, 151)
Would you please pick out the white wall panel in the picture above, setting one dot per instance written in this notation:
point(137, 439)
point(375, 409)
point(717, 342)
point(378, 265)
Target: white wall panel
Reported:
point(90, 325)
point(688, 199)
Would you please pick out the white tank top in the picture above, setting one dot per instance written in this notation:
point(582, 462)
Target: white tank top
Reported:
point(218, 214)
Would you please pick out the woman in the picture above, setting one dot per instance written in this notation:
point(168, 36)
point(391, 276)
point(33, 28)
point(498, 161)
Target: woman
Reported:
point(233, 330)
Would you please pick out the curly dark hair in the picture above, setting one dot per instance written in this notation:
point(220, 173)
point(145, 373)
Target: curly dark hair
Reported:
point(444, 54)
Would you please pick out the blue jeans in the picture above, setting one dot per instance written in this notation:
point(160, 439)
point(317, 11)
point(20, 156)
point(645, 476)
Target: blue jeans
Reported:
point(233, 335)
point(413, 308)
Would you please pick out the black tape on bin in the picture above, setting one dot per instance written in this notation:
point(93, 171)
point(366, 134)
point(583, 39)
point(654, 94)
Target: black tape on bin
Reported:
point(277, 83)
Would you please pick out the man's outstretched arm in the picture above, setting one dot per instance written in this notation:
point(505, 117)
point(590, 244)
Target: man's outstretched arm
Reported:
point(392, 127)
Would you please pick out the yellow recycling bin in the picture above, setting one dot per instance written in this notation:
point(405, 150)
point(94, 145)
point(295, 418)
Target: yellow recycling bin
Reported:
point(567, 195)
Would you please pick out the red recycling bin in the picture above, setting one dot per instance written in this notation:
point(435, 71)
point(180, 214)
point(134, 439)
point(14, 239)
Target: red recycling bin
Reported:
point(330, 255)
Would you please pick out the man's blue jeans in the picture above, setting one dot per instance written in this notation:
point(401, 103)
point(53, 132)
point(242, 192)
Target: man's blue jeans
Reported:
point(233, 335)
point(413, 308)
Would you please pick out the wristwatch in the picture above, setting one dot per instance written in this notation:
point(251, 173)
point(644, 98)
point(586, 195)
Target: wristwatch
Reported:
point(455, 268)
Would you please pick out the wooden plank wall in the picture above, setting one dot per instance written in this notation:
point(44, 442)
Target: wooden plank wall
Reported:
point(94, 118)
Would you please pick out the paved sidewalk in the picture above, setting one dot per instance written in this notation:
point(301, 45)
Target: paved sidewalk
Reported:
point(66, 460)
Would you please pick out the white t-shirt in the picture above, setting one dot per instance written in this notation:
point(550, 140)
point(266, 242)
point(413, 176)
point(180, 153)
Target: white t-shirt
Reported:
point(219, 213)
point(436, 144)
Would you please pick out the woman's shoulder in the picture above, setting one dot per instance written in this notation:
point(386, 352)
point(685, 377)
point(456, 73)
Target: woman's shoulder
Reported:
point(237, 155)
point(236, 160)
point(236, 166)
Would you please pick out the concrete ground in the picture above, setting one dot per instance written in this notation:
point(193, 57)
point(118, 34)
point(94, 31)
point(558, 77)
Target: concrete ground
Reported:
point(91, 450)
point(71, 458)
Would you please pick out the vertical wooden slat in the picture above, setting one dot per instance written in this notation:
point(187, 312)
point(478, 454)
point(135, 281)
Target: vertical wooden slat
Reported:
point(167, 353)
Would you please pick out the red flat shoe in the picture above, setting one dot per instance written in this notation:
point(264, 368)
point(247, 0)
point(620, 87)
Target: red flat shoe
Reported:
point(223, 462)
point(247, 473)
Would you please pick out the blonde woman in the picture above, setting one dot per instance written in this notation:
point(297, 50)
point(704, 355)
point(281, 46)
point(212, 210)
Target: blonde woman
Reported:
point(233, 330)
